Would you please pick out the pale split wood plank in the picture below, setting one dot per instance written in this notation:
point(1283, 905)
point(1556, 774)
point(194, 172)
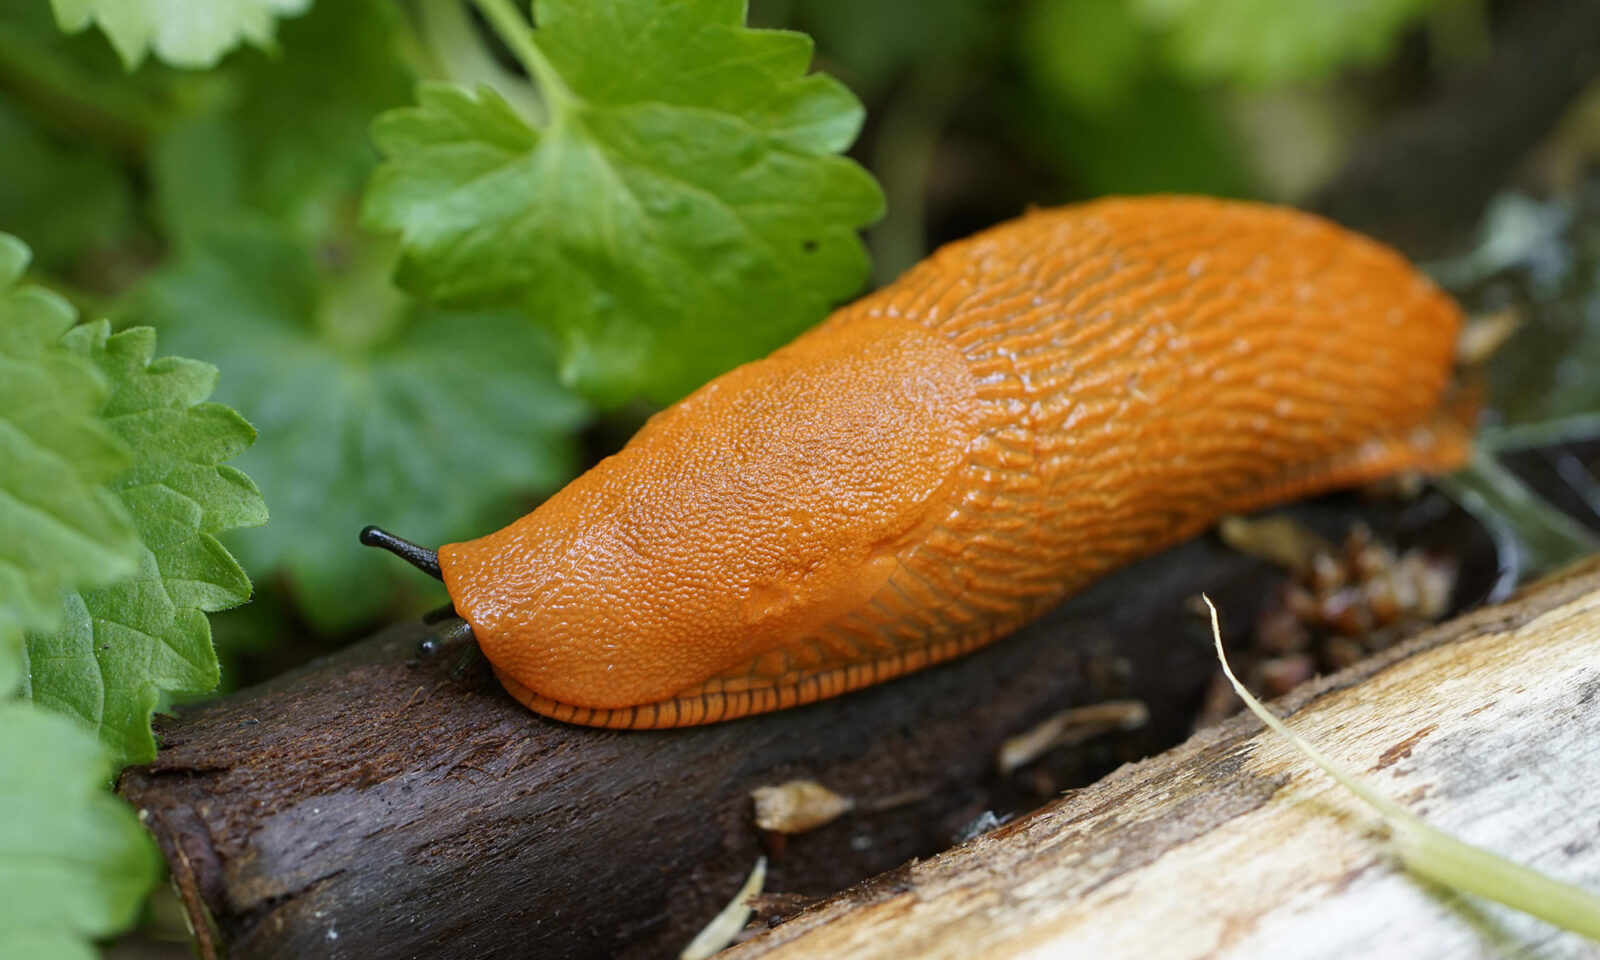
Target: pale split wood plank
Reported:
point(1232, 846)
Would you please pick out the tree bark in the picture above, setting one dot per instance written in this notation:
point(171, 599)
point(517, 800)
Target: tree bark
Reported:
point(370, 806)
point(1234, 846)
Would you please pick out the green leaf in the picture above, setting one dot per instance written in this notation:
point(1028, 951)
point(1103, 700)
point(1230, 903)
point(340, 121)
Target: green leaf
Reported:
point(59, 526)
point(1270, 42)
point(434, 424)
point(121, 645)
point(682, 210)
point(183, 33)
point(74, 863)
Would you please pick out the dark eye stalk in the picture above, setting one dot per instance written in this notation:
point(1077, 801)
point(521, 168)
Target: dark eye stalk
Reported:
point(420, 557)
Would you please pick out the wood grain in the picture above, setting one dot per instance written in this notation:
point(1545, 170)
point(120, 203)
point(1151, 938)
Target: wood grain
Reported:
point(1233, 846)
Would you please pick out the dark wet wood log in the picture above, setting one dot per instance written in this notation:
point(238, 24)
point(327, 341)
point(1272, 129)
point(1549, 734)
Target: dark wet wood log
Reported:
point(370, 806)
point(1233, 846)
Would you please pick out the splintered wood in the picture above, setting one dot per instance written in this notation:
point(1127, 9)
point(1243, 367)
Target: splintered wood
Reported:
point(1232, 845)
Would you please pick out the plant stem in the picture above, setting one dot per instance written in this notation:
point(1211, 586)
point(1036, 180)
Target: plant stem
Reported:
point(518, 35)
point(455, 51)
point(1545, 433)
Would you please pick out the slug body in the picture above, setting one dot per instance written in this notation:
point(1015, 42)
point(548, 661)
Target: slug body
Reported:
point(943, 460)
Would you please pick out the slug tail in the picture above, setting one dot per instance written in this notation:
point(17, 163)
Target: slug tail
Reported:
point(1438, 446)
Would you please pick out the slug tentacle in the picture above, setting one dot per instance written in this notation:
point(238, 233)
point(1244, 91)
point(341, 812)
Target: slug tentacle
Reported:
point(420, 557)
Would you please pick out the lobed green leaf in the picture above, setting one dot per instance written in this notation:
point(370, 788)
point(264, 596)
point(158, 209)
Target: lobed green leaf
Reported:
point(123, 644)
point(59, 525)
point(682, 210)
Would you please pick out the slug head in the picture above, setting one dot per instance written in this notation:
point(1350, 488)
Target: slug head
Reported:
point(765, 505)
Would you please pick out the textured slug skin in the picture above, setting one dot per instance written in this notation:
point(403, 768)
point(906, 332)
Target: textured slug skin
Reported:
point(940, 462)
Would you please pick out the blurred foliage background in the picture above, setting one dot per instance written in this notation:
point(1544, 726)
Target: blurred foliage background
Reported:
point(221, 200)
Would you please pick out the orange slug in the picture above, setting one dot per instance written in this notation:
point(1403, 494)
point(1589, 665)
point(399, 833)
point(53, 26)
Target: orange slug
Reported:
point(943, 460)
